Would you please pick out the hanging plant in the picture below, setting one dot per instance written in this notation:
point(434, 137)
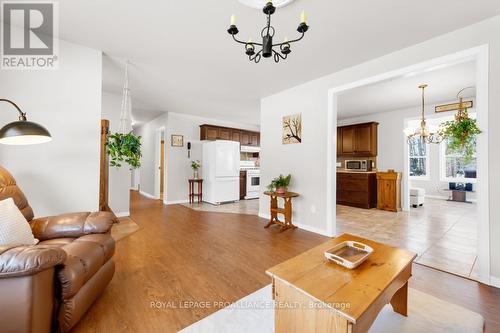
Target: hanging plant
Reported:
point(461, 134)
point(124, 148)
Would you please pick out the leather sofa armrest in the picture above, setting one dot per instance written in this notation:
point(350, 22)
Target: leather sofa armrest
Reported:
point(72, 225)
point(28, 260)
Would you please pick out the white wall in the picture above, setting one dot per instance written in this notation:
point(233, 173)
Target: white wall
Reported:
point(308, 161)
point(62, 175)
point(119, 178)
point(177, 162)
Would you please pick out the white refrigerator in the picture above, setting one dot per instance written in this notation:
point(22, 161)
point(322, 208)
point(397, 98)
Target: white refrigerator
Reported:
point(221, 171)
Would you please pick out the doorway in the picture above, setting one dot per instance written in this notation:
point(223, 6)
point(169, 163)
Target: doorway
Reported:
point(479, 56)
point(160, 169)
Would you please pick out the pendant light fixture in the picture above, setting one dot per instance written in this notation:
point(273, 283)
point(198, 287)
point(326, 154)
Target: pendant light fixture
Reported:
point(267, 47)
point(126, 108)
point(423, 133)
point(22, 132)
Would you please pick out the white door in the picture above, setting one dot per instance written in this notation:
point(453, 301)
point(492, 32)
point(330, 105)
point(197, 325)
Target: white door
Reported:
point(227, 159)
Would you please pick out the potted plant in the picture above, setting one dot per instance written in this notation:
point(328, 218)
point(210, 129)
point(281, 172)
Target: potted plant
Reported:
point(195, 165)
point(280, 184)
point(461, 134)
point(124, 148)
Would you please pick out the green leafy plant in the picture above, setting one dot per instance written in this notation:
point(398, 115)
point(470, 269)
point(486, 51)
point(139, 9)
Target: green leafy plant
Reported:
point(124, 148)
point(279, 182)
point(195, 165)
point(461, 134)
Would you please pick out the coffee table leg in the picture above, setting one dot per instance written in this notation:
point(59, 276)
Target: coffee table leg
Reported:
point(399, 301)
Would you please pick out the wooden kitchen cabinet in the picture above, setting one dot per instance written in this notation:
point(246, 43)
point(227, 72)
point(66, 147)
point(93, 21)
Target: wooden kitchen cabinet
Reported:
point(236, 135)
point(243, 184)
point(210, 133)
point(245, 138)
point(389, 191)
point(357, 189)
point(225, 134)
point(348, 140)
point(359, 140)
point(254, 139)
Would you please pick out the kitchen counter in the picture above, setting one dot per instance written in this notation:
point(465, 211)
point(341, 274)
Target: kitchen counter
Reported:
point(356, 172)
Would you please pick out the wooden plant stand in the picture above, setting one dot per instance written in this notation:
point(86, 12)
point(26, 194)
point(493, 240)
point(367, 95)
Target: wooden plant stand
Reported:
point(192, 194)
point(286, 211)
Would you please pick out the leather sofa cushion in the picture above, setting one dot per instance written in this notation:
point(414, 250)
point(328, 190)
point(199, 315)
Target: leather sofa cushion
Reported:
point(9, 189)
point(72, 225)
point(57, 242)
point(86, 255)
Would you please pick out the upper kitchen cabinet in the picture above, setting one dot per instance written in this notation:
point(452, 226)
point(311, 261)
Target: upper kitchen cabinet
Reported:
point(209, 132)
point(245, 138)
point(359, 140)
point(254, 139)
point(236, 135)
point(225, 134)
point(250, 139)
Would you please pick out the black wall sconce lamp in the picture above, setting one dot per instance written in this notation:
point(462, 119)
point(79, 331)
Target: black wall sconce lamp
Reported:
point(23, 132)
point(189, 149)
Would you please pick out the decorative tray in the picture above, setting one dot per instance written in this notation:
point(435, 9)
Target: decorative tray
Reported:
point(349, 254)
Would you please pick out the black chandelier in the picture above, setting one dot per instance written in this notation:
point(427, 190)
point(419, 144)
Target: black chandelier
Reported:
point(267, 35)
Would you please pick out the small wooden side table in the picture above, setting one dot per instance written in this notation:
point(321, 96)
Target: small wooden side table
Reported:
point(199, 193)
point(286, 211)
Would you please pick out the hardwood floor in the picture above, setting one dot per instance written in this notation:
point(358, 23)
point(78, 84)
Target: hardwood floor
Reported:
point(180, 255)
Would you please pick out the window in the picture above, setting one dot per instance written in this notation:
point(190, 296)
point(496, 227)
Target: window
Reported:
point(418, 159)
point(453, 168)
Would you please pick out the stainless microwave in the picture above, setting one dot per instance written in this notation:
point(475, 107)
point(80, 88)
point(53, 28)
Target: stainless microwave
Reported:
point(358, 165)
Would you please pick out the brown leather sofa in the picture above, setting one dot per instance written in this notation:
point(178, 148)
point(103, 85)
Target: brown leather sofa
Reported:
point(49, 286)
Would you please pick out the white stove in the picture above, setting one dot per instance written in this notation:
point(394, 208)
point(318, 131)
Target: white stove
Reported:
point(253, 179)
point(253, 183)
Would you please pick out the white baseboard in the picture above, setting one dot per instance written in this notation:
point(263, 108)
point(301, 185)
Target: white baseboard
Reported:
point(147, 195)
point(495, 281)
point(175, 202)
point(122, 214)
point(300, 226)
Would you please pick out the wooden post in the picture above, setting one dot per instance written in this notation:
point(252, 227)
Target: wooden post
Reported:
point(104, 168)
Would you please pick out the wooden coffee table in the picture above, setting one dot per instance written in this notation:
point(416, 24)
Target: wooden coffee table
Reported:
point(315, 295)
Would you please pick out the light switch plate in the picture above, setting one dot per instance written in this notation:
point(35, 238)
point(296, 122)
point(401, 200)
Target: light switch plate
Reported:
point(339, 164)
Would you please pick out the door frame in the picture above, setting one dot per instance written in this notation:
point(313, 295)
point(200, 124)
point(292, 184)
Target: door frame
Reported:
point(159, 133)
point(480, 55)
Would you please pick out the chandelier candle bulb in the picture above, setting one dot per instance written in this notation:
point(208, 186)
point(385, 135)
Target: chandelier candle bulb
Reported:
point(303, 17)
point(233, 20)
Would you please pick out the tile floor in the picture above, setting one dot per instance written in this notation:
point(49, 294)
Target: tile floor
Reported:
point(250, 207)
point(443, 233)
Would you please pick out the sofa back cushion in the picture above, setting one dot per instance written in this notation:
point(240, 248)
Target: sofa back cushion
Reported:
point(9, 189)
point(14, 229)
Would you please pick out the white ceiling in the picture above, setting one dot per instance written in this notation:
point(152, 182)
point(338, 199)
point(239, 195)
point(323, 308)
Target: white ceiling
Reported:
point(403, 92)
point(184, 60)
